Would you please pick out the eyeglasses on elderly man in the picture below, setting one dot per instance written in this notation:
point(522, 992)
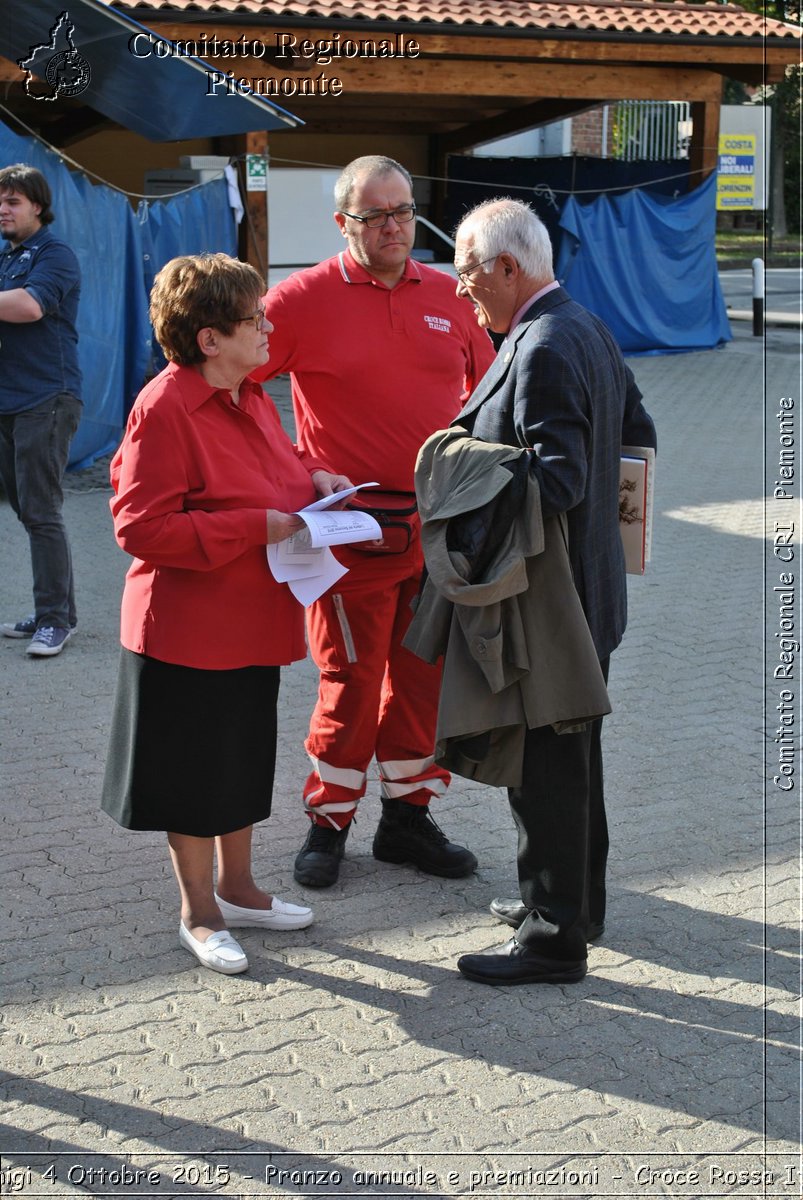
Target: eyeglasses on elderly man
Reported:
point(464, 273)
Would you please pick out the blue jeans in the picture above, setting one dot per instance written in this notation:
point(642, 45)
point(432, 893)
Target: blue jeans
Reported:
point(34, 448)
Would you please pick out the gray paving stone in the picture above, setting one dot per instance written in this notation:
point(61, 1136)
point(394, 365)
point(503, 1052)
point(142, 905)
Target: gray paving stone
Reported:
point(357, 1035)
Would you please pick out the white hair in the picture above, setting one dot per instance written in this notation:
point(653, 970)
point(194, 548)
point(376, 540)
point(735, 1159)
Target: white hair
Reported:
point(506, 225)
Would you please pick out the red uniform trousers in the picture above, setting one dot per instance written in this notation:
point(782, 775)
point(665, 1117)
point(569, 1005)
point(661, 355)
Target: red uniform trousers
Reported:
point(374, 697)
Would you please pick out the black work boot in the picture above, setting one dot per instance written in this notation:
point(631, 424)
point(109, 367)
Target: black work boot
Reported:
point(318, 860)
point(407, 834)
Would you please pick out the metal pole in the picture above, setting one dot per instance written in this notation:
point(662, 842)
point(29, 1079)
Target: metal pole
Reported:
point(769, 168)
point(758, 297)
point(266, 156)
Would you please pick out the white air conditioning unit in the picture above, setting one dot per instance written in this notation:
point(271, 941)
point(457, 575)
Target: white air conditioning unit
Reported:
point(208, 166)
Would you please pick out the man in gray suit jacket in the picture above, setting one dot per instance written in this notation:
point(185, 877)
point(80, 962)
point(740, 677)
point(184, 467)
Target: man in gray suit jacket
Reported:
point(559, 386)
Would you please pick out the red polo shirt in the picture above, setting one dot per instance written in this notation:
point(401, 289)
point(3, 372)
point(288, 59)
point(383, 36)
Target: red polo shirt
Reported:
point(375, 370)
point(192, 479)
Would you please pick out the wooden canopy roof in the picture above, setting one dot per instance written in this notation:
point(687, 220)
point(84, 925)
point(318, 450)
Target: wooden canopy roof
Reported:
point(487, 68)
point(466, 71)
point(483, 68)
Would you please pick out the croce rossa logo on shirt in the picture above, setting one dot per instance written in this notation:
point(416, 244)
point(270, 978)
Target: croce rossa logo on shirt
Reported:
point(442, 324)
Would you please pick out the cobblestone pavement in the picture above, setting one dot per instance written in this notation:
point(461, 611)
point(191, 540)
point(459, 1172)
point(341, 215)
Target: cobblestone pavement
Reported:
point(354, 1046)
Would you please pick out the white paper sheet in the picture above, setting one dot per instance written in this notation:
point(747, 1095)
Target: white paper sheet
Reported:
point(304, 561)
point(327, 501)
point(307, 581)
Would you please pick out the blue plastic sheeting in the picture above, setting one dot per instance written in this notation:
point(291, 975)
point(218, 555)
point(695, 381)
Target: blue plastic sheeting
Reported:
point(544, 183)
point(187, 224)
point(647, 265)
point(119, 252)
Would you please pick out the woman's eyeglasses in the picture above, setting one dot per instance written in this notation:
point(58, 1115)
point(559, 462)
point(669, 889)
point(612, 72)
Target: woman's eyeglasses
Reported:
point(257, 319)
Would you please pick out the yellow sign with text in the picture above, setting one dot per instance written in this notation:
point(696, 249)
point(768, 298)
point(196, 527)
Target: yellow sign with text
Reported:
point(736, 171)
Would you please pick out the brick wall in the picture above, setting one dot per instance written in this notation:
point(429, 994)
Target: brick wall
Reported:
point(587, 133)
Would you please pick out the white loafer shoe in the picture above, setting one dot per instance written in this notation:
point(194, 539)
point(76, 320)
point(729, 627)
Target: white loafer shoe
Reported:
point(280, 915)
point(219, 952)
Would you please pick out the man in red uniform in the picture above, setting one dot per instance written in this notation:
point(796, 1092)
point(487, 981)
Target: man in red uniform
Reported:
point(381, 353)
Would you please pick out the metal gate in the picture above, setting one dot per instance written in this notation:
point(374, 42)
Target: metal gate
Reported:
point(650, 129)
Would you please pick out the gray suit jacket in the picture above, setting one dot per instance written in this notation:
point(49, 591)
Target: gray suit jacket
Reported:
point(560, 386)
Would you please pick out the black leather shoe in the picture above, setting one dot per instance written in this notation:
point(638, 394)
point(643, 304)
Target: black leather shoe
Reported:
point(513, 912)
point(513, 963)
point(318, 861)
point(407, 834)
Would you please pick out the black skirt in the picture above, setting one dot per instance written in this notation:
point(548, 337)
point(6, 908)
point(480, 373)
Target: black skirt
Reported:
point(191, 751)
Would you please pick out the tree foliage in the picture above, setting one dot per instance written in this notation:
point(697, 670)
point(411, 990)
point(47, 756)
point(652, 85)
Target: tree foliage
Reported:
point(785, 100)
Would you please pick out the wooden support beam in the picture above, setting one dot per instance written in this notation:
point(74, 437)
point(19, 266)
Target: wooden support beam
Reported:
point(256, 204)
point(704, 142)
point(466, 67)
point(413, 108)
point(725, 59)
point(253, 236)
point(365, 124)
point(513, 120)
point(497, 80)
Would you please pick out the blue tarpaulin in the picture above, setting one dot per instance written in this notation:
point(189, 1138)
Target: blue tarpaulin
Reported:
point(647, 265)
point(119, 251)
point(189, 223)
point(545, 182)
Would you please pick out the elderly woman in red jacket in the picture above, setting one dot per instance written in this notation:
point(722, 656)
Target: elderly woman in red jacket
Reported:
point(204, 480)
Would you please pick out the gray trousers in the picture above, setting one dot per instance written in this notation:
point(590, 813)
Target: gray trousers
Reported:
point(34, 448)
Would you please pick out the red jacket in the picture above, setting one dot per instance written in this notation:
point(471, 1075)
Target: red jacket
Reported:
point(192, 479)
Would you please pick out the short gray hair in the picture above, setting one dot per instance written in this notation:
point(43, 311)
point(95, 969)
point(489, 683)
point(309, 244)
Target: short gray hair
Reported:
point(359, 168)
point(506, 225)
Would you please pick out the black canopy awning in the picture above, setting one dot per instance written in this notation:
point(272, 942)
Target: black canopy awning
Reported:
point(125, 71)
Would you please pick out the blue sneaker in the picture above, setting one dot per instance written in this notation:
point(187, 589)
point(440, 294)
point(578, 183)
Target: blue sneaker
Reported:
point(25, 628)
point(48, 640)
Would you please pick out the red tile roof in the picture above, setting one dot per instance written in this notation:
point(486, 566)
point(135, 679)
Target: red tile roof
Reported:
point(666, 18)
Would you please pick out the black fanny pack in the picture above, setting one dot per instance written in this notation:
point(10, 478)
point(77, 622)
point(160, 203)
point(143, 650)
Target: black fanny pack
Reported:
point(395, 512)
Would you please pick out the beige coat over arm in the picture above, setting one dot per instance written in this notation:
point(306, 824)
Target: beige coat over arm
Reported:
point(517, 649)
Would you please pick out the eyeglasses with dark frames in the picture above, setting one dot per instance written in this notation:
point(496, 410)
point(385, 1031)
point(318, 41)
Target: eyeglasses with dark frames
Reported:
point(376, 220)
point(465, 273)
point(257, 319)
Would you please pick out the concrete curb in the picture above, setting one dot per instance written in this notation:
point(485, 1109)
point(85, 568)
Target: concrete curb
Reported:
point(788, 320)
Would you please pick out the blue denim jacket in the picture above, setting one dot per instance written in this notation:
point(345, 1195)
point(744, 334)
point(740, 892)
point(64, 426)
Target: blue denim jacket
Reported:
point(39, 359)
